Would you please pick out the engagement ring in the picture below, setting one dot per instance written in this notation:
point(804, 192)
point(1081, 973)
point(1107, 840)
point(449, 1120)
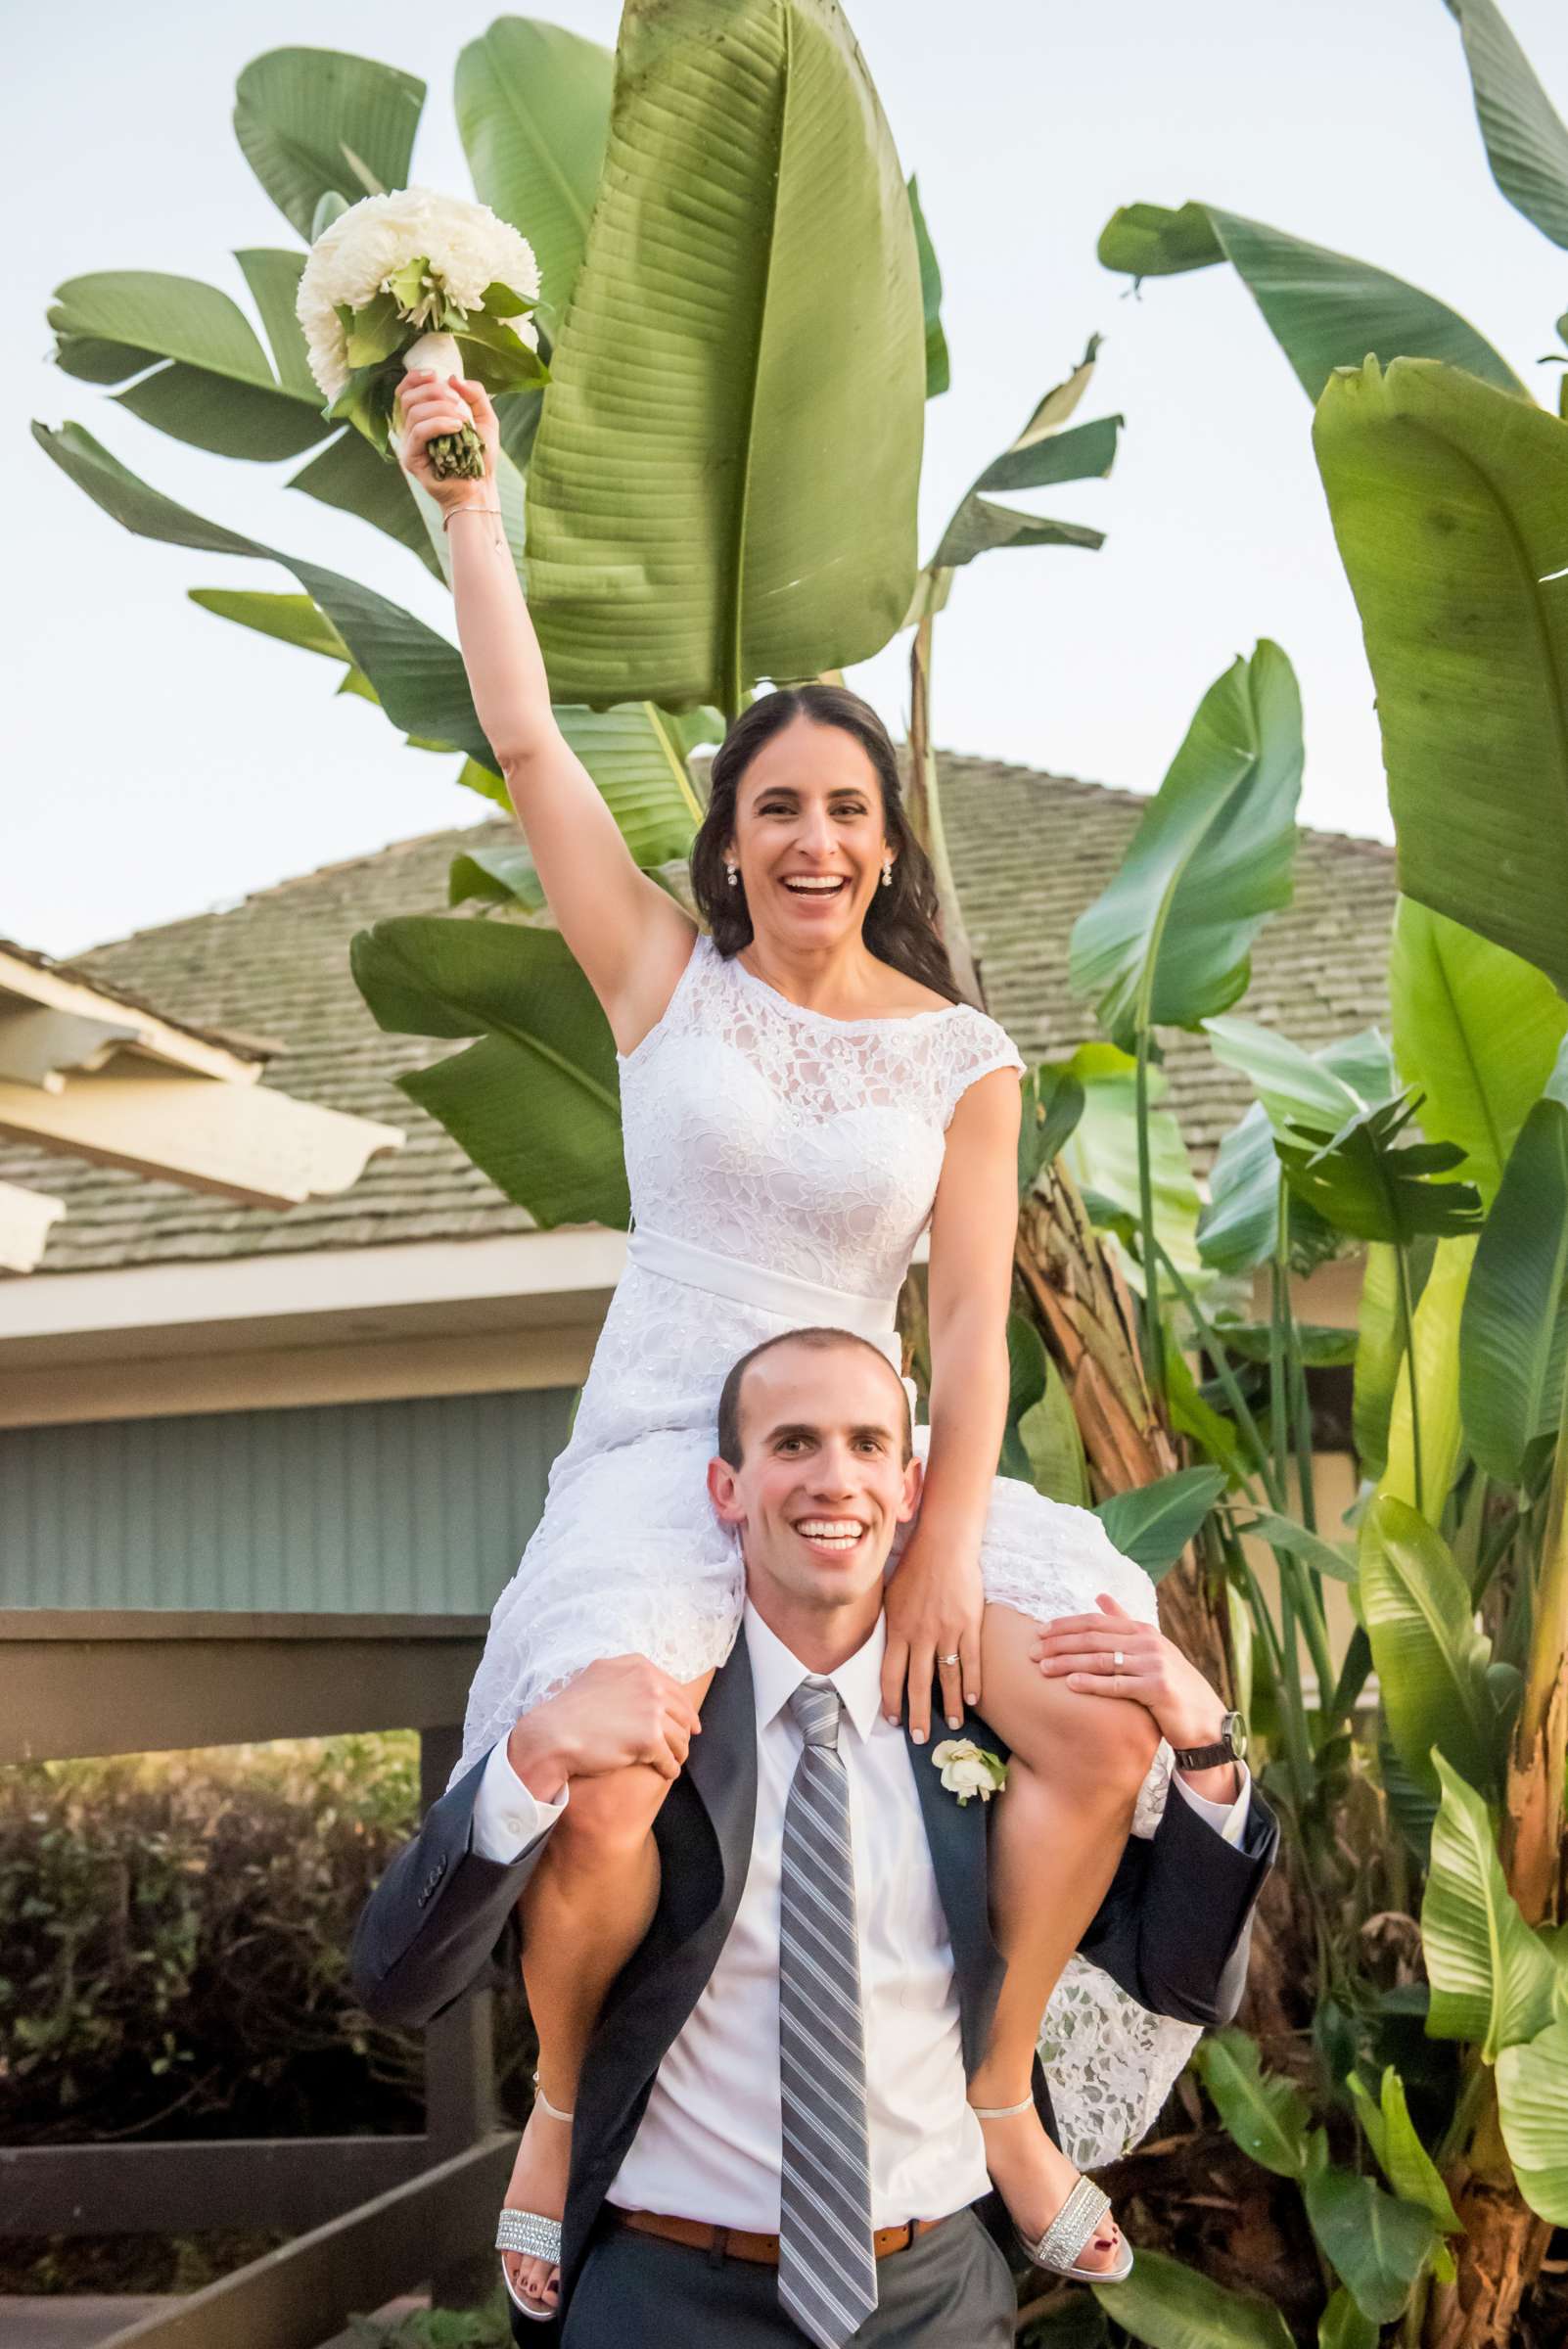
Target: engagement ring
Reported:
point(946, 1659)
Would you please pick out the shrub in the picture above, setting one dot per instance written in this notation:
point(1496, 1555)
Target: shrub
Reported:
point(174, 1935)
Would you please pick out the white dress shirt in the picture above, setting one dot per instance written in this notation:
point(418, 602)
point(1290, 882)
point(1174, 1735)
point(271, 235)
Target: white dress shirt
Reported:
point(710, 2145)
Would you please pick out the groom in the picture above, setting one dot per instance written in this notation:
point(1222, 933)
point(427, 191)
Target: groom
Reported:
point(773, 2139)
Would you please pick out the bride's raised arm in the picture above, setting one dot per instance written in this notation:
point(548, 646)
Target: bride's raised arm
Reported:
point(631, 938)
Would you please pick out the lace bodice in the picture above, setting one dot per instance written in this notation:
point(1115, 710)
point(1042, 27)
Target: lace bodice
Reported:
point(783, 1137)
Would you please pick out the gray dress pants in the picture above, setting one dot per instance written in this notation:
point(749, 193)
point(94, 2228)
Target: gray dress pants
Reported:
point(950, 2289)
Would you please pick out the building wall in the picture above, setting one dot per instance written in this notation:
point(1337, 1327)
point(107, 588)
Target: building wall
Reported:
point(418, 1506)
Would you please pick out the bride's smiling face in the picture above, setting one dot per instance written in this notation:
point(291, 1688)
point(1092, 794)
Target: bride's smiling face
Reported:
point(809, 836)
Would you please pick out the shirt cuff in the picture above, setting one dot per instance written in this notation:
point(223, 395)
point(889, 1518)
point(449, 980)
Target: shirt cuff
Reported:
point(1228, 1820)
point(507, 1819)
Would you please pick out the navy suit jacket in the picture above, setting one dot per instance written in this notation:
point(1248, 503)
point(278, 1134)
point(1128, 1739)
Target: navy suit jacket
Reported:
point(1173, 1929)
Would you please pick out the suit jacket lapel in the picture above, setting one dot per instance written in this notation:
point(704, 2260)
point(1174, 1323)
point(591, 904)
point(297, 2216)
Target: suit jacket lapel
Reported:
point(956, 1835)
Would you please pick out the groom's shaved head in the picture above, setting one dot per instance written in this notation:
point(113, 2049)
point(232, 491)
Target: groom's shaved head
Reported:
point(818, 1340)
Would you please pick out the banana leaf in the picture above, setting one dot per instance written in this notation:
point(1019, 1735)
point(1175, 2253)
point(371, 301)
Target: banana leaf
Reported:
point(1364, 1181)
point(1493, 1980)
point(1526, 143)
point(1267, 2114)
point(1167, 942)
point(535, 1100)
point(1476, 1030)
point(1170, 2306)
point(1342, 2325)
point(216, 389)
point(313, 122)
point(1238, 1229)
point(1324, 309)
point(1376, 2244)
point(938, 370)
point(1436, 1345)
point(1533, 2108)
point(1154, 1523)
point(532, 105)
point(724, 481)
point(1100, 1153)
point(1513, 1334)
point(1447, 498)
point(1430, 1659)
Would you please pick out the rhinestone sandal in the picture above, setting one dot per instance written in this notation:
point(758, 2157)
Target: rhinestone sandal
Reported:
point(1075, 2225)
point(533, 2236)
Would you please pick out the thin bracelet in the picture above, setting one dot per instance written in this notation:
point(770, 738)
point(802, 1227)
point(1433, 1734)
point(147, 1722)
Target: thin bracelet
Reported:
point(468, 508)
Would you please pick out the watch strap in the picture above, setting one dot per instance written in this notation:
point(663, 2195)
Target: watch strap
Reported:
point(1202, 1757)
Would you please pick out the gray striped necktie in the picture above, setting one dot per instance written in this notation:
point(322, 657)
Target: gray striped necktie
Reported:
point(827, 2270)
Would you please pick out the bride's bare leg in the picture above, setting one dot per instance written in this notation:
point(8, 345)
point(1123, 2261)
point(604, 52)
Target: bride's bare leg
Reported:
point(587, 1906)
point(1059, 1831)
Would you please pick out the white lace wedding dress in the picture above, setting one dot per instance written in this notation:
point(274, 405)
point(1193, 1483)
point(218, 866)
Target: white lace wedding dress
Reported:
point(782, 1166)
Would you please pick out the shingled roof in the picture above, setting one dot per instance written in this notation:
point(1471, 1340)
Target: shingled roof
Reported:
point(1030, 851)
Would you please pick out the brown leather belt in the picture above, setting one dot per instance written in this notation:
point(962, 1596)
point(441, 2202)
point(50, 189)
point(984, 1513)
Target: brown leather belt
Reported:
point(733, 2242)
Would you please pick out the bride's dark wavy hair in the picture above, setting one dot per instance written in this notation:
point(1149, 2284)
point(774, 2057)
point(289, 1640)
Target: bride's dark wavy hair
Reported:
point(900, 922)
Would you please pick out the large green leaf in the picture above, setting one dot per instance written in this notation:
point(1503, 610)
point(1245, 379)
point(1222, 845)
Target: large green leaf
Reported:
point(1044, 453)
point(1266, 2114)
point(1376, 2244)
point(1532, 2107)
point(1240, 1222)
point(1403, 2158)
point(316, 122)
point(1526, 143)
point(1342, 2325)
point(533, 107)
point(1154, 1523)
point(216, 391)
point(723, 485)
point(348, 474)
point(418, 675)
point(1513, 1336)
point(1171, 2307)
point(1476, 1030)
point(1379, 1352)
point(1493, 1980)
point(535, 1102)
point(1101, 1154)
point(1325, 310)
point(938, 370)
point(1369, 1183)
point(1167, 942)
point(1447, 497)
point(1436, 1345)
point(1239, 1226)
point(1431, 1661)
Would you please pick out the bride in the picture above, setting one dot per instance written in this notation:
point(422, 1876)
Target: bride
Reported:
point(802, 1093)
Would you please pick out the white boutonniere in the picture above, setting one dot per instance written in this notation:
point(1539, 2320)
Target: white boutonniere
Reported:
point(967, 1769)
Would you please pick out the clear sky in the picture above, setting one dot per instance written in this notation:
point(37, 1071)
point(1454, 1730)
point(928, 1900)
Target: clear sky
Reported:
point(160, 761)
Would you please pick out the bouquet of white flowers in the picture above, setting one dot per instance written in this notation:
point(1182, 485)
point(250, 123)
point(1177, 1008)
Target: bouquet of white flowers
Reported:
point(413, 278)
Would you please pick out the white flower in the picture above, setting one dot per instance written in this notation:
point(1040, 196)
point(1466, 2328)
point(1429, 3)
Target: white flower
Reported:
point(467, 246)
point(967, 1769)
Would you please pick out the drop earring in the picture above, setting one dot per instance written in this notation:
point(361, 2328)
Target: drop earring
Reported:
point(733, 875)
point(887, 872)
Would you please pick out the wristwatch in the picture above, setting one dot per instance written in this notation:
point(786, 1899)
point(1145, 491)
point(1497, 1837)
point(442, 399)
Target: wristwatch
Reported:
point(1232, 1747)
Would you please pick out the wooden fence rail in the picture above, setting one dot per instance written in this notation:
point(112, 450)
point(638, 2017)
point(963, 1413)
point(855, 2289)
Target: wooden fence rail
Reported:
point(380, 2215)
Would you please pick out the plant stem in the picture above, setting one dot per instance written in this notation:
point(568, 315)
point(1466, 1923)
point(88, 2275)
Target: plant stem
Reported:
point(1213, 1346)
point(1154, 1336)
point(1402, 1268)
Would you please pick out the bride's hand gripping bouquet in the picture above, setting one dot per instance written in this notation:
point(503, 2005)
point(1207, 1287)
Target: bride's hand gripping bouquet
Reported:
point(415, 280)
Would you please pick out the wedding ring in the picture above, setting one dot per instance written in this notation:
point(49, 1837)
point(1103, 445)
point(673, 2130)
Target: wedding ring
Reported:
point(946, 1659)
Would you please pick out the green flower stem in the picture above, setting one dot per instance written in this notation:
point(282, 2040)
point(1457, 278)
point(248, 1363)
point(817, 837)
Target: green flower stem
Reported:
point(1401, 1264)
point(1153, 1347)
point(1213, 1346)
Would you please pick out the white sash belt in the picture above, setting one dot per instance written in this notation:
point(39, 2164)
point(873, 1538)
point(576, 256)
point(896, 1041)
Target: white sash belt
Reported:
point(800, 1302)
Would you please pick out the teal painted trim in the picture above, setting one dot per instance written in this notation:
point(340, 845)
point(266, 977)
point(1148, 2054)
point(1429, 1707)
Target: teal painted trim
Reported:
point(418, 1507)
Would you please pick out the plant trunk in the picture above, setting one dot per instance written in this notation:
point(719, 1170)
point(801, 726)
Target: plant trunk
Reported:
point(1499, 2253)
point(1089, 1324)
point(923, 809)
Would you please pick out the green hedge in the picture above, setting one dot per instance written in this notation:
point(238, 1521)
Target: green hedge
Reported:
point(175, 1938)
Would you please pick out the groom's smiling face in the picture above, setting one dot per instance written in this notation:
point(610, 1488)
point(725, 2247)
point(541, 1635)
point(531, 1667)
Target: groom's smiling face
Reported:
point(824, 1480)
